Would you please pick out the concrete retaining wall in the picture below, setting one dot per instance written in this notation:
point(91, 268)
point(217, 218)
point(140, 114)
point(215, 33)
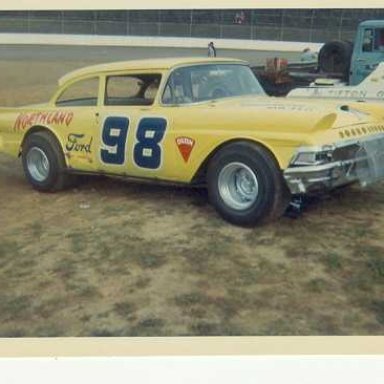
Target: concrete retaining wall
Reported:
point(145, 41)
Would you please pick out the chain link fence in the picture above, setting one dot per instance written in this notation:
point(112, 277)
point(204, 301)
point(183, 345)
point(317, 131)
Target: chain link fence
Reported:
point(307, 25)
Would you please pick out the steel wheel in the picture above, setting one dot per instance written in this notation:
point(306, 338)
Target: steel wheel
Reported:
point(238, 186)
point(245, 184)
point(37, 164)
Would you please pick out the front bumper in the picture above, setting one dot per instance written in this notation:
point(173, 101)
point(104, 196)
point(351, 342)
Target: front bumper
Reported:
point(353, 161)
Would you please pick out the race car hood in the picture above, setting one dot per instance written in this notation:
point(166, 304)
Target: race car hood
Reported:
point(303, 114)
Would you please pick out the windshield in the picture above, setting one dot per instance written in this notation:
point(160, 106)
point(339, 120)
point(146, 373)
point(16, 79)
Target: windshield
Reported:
point(208, 82)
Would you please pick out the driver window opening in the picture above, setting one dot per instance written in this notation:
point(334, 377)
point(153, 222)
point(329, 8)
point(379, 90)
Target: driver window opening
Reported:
point(140, 89)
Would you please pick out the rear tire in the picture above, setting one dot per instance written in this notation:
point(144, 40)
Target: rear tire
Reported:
point(245, 185)
point(335, 57)
point(44, 164)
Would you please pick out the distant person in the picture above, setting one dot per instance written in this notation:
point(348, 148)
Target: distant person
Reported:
point(307, 56)
point(239, 18)
point(211, 50)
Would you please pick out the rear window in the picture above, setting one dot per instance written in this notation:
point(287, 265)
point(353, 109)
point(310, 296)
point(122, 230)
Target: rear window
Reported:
point(82, 93)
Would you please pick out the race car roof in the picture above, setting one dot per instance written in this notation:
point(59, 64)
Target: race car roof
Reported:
point(147, 64)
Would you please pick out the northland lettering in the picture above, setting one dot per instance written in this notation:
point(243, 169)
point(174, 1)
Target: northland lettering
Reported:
point(25, 120)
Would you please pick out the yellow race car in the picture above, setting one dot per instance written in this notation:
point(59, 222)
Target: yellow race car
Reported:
point(195, 121)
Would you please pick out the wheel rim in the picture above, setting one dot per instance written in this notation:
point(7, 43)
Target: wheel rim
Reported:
point(37, 164)
point(238, 186)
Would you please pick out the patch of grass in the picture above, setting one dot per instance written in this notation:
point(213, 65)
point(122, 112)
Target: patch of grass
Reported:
point(105, 250)
point(317, 285)
point(150, 326)
point(124, 309)
point(15, 307)
point(13, 332)
point(78, 242)
point(194, 305)
point(197, 305)
point(227, 306)
point(205, 328)
point(150, 260)
point(299, 250)
point(247, 276)
point(208, 256)
point(359, 282)
point(367, 271)
point(103, 332)
point(142, 282)
point(189, 299)
point(49, 330)
point(36, 229)
point(376, 267)
point(327, 325)
point(85, 291)
point(367, 250)
point(377, 307)
point(266, 271)
point(50, 306)
point(65, 268)
point(8, 251)
point(332, 261)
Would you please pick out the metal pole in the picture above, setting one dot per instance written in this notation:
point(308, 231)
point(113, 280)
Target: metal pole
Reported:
point(282, 25)
point(221, 25)
point(62, 22)
point(127, 22)
point(341, 24)
point(28, 21)
point(190, 23)
point(252, 20)
point(311, 27)
point(94, 22)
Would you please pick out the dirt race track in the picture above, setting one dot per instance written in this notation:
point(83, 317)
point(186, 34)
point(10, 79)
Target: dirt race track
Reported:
point(116, 258)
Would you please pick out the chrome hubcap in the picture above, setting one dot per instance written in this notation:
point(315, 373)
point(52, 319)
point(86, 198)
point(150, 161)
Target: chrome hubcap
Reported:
point(238, 186)
point(37, 164)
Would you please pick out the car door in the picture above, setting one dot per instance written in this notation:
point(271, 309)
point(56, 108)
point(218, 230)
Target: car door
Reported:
point(133, 130)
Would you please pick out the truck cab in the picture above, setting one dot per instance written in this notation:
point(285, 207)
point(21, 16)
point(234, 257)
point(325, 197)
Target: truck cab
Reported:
point(368, 50)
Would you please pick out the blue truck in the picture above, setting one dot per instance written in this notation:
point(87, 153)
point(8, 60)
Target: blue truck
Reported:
point(345, 61)
point(354, 61)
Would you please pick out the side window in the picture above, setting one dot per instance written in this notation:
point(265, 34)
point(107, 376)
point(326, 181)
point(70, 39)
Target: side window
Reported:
point(80, 94)
point(373, 40)
point(379, 39)
point(138, 89)
point(368, 40)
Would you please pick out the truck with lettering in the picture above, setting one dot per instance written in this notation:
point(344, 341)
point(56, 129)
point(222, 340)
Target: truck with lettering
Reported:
point(371, 88)
point(339, 63)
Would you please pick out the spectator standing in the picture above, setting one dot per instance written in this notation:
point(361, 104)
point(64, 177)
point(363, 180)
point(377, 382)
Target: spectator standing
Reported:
point(211, 50)
point(239, 18)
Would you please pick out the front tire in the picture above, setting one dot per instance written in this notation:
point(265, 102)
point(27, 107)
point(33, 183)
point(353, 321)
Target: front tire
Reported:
point(43, 162)
point(245, 184)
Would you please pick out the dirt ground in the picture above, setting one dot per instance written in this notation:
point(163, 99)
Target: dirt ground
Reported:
point(116, 258)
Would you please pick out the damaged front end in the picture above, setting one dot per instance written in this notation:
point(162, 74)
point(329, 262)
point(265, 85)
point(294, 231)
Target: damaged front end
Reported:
point(318, 169)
